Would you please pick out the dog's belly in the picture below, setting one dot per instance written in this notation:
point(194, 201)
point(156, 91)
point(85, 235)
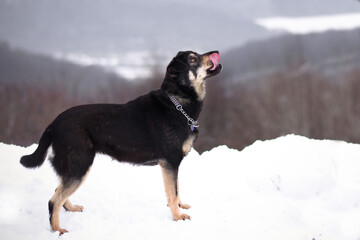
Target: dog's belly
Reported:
point(136, 154)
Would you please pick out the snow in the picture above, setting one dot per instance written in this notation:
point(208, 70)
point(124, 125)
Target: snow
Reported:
point(130, 65)
point(291, 187)
point(305, 25)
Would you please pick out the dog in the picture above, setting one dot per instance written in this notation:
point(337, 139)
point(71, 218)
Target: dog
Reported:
point(156, 128)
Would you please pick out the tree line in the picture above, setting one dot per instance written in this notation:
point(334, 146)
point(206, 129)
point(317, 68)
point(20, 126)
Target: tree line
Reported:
point(236, 113)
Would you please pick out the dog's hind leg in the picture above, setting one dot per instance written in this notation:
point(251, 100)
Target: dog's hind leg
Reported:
point(57, 201)
point(170, 176)
point(60, 198)
point(72, 208)
point(75, 208)
point(74, 155)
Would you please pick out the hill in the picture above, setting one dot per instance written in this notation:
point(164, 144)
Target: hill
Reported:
point(330, 54)
point(22, 67)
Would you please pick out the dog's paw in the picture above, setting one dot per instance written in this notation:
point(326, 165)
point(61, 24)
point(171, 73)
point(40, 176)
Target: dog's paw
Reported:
point(77, 208)
point(74, 208)
point(182, 216)
point(184, 206)
point(61, 231)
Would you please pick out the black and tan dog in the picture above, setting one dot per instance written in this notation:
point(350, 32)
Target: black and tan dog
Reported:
point(157, 128)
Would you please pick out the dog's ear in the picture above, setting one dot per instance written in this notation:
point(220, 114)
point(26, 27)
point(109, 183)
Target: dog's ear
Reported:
point(176, 66)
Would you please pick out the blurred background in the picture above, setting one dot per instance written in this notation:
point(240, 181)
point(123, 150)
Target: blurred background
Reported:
point(289, 66)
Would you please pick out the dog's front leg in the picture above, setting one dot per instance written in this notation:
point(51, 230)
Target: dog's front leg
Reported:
point(181, 204)
point(170, 176)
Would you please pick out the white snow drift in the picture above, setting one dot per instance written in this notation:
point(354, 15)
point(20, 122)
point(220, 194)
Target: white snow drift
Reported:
point(288, 188)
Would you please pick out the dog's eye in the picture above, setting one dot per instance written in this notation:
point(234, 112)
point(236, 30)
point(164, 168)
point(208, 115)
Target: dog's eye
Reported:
point(193, 60)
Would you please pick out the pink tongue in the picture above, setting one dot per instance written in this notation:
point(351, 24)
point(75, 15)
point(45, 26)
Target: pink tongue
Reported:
point(215, 58)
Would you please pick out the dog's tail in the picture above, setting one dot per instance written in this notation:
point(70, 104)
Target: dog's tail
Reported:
point(38, 157)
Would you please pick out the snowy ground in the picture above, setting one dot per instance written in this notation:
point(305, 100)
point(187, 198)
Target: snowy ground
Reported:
point(305, 25)
point(288, 188)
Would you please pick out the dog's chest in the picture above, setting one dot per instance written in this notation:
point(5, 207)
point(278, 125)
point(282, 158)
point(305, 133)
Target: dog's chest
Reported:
point(188, 143)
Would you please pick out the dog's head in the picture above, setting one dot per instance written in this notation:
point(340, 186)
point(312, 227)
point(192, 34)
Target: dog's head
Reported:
point(188, 70)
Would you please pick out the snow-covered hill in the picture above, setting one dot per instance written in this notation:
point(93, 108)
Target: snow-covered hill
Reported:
point(287, 188)
point(305, 25)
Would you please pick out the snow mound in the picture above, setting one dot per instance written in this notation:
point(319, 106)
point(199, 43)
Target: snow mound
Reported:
point(291, 187)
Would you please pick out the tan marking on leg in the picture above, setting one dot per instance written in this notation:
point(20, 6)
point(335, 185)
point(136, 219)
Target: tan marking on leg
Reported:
point(72, 208)
point(187, 145)
point(76, 208)
point(182, 205)
point(58, 200)
point(170, 188)
point(63, 192)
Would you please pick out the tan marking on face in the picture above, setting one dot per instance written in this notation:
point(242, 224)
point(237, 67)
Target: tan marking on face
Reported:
point(205, 62)
point(200, 88)
point(198, 82)
point(192, 55)
point(192, 77)
point(201, 74)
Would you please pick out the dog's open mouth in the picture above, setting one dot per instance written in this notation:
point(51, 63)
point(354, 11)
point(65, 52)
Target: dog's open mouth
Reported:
point(215, 59)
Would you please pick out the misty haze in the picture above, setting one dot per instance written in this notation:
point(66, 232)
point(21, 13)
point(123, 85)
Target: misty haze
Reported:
point(70, 52)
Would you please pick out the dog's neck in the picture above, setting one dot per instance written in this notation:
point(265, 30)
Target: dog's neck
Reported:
point(185, 94)
point(191, 122)
point(180, 99)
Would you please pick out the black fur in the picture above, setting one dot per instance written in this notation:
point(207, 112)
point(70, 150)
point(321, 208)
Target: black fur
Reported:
point(142, 131)
point(38, 157)
point(51, 208)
